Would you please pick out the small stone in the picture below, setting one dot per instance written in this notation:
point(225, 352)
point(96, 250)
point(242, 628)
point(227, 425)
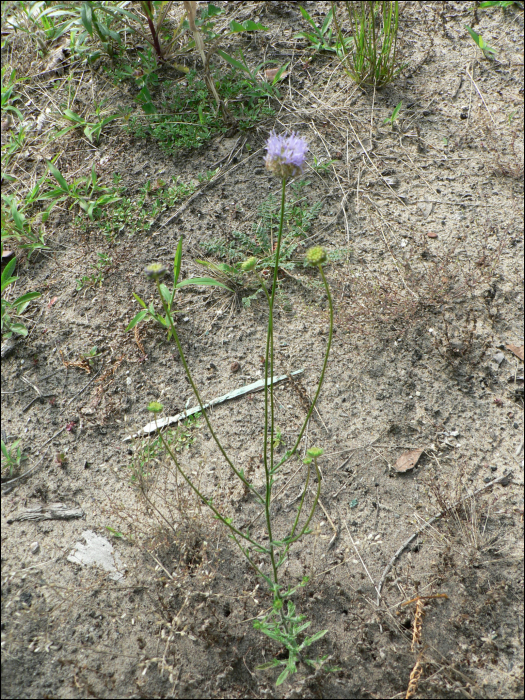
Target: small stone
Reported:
point(235, 366)
point(431, 234)
point(493, 468)
point(34, 547)
point(516, 425)
point(487, 479)
point(499, 357)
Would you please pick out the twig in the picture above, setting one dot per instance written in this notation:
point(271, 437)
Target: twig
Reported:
point(482, 98)
point(332, 526)
point(378, 590)
point(213, 181)
point(83, 389)
point(428, 524)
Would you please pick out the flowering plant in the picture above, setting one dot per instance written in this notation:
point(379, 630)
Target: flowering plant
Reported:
point(285, 158)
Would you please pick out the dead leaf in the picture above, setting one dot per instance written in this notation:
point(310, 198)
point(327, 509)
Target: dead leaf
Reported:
point(272, 72)
point(517, 350)
point(408, 460)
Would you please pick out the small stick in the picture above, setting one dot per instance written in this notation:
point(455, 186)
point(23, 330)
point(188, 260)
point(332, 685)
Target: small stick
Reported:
point(378, 590)
point(331, 524)
point(83, 389)
point(428, 524)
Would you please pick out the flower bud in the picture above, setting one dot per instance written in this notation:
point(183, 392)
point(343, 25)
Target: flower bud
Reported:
point(316, 256)
point(155, 270)
point(249, 264)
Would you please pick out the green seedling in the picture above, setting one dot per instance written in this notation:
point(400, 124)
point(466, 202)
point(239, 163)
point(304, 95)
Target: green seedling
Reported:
point(168, 297)
point(15, 307)
point(390, 120)
point(92, 129)
point(488, 51)
point(82, 191)
point(12, 457)
point(91, 355)
point(322, 165)
point(321, 39)
point(100, 267)
point(371, 60)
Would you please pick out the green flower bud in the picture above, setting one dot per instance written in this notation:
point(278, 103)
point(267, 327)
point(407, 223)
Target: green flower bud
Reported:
point(315, 451)
point(155, 270)
point(155, 407)
point(316, 256)
point(249, 264)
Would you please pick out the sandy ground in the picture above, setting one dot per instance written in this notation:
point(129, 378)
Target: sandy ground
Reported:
point(423, 222)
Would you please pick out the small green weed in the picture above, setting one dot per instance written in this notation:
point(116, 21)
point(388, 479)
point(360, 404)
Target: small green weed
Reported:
point(372, 58)
point(92, 129)
point(100, 268)
point(285, 627)
point(390, 120)
point(321, 39)
point(298, 218)
point(16, 307)
point(12, 457)
point(167, 295)
point(187, 119)
point(488, 51)
point(150, 451)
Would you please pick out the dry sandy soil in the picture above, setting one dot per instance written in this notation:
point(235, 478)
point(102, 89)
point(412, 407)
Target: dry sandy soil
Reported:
point(423, 221)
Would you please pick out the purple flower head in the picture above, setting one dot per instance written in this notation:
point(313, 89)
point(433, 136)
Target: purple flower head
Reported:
point(285, 154)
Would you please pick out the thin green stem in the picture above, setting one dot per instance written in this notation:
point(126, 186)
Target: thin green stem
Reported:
point(268, 368)
point(206, 501)
point(321, 378)
point(305, 526)
point(196, 392)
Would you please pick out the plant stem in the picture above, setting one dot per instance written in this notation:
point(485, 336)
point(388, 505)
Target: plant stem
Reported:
point(268, 366)
point(321, 378)
point(204, 500)
point(196, 392)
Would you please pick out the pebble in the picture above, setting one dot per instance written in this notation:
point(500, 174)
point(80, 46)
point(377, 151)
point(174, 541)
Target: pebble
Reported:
point(499, 357)
point(34, 547)
point(235, 366)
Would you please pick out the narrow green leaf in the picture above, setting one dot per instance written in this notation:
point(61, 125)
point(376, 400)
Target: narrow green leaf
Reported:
point(284, 675)
point(58, 176)
point(73, 117)
point(86, 16)
point(26, 298)
point(18, 328)
point(6, 274)
point(136, 319)
point(310, 640)
point(204, 281)
point(139, 300)
point(233, 61)
point(177, 261)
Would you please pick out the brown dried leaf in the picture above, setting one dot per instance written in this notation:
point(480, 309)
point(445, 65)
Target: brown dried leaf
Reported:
point(272, 72)
point(517, 350)
point(408, 460)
